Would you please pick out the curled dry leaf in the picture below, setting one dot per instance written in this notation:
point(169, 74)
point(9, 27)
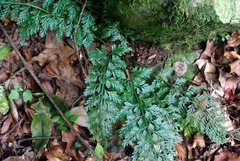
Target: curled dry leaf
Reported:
point(209, 68)
point(57, 59)
point(63, 91)
point(207, 53)
point(200, 63)
point(235, 39)
point(181, 152)
point(230, 88)
point(45, 57)
point(198, 140)
point(198, 78)
point(55, 152)
point(235, 67)
point(223, 76)
point(231, 55)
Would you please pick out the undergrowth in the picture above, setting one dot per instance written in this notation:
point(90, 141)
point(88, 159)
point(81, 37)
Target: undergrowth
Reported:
point(154, 109)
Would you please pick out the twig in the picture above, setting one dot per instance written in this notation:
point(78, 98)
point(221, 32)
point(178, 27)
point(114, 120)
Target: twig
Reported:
point(29, 68)
point(12, 129)
point(75, 37)
point(40, 138)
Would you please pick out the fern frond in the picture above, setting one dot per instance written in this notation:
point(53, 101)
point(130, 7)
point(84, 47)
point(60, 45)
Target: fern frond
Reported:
point(106, 86)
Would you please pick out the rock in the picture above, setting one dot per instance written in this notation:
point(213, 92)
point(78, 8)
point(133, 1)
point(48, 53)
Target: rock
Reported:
point(180, 68)
point(168, 21)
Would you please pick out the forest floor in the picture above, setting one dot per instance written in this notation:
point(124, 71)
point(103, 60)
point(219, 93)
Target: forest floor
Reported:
point(56, 66)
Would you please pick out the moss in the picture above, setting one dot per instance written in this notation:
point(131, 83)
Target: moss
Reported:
point(189, 26)
point(231, 10)
point(180, 22)
point(135, 13)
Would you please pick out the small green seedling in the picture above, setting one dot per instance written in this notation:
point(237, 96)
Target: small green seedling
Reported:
point(61, 124)
point(15, 94)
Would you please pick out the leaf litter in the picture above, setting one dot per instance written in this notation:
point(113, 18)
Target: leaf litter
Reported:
point(219, 68)
point(56, 65)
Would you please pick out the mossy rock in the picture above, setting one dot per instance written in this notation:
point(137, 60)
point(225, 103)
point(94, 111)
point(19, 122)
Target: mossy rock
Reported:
point(183, 22)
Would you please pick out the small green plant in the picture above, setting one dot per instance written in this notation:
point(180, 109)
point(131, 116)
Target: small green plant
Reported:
point(17, 91)
point(4, 105)
point(61, 125)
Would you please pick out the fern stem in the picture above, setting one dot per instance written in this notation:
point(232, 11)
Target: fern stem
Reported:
point(75, 38)
point(146, 122)
point(25, 4)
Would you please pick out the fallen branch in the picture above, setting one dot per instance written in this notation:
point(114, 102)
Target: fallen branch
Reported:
point(29, 69)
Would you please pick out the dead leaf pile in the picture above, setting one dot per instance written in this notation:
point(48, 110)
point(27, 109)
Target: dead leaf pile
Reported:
point(220, 69)
point(219, 72)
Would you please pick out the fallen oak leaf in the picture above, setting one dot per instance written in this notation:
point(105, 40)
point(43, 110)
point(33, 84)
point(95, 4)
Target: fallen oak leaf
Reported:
point(51, 69)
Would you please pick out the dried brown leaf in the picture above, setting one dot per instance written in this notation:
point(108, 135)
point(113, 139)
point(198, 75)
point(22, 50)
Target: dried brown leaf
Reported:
point(210, 68)
point(235, 39)
point(207, 53)
point(46, 56)
point(235, 67)
point(230, 88)
point(13, 158)
point(227, 155)
point(181, 151)
point(83, 117)
point(200, 63)
point(56, 152)
point(70, 139)
point(7, 124)
point(63, 91)
point(231, 55)
point(198, 140)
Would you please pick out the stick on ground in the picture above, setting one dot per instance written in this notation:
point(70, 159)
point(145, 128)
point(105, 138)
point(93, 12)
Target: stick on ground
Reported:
point(29, 69)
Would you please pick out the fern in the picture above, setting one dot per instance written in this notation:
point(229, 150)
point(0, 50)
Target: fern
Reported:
point(155, 109)
point(146, 121)
point(40, 16)
point(106, 84)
